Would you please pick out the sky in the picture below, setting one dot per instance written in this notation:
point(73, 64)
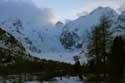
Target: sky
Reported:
point(50, 11)
point(71, 9)
point(26, 11)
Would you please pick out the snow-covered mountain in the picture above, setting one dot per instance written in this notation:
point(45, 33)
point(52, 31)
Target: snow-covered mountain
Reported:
point(60, 38)
point(77, 30)
point(119, 27)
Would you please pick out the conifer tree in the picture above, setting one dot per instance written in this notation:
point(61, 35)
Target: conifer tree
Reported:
point(100, 41)
point(99, 46)
point(117, 60)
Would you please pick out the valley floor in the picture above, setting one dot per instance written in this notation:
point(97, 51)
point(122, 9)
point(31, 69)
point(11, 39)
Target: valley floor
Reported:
point(56, 80)
point(60, 80)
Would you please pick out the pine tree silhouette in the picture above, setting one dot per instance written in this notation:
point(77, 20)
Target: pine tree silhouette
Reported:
point(116, 59)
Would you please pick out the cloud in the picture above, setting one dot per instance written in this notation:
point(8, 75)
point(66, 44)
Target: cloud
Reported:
point(122, 7)
point(26, 11)
point(82, 13)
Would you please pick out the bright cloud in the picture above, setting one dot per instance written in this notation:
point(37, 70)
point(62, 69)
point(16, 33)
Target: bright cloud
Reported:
point(47, 11)
point(27, 11)
point(122, 7)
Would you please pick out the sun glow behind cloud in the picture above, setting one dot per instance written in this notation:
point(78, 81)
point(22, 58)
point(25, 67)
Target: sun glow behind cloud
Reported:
point(50, 11)
point(71, 9)
point(27, 11)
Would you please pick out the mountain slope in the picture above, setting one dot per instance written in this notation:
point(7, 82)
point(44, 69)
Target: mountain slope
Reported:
point(84, 24)
point(119, 27)
point(10, 48)
point(60, 41)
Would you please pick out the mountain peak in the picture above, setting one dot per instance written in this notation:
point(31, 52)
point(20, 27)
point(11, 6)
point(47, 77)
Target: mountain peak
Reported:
point(104, 11)
point(59, 23)
point(103, 8)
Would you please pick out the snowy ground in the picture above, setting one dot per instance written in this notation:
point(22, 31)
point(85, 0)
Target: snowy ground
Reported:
point(62, 56)
point(57, 80)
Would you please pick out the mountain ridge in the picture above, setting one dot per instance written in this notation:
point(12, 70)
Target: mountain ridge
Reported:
point(38, 40)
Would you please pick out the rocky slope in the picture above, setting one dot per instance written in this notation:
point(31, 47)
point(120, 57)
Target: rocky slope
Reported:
point(10, 48)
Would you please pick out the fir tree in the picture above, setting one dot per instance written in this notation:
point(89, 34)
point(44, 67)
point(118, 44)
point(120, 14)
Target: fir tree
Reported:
point(99, 46)
point(100, 41)
point(117, 60)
